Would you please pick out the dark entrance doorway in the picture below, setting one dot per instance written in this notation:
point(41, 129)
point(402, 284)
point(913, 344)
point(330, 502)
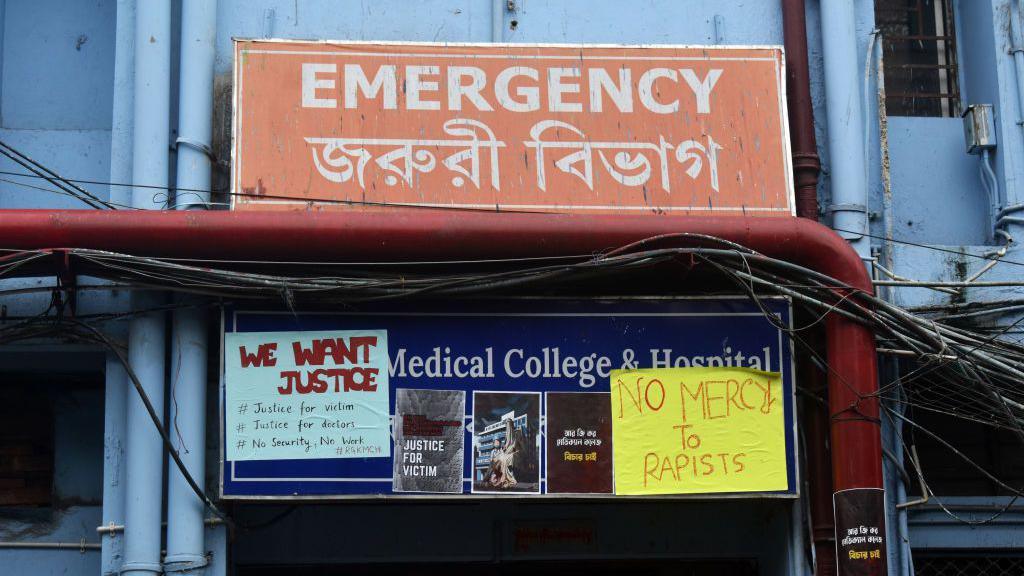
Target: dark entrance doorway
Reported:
point(653, 567)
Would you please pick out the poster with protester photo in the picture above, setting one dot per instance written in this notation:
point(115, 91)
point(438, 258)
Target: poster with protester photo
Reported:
point(579, 443)
point(506, 442)
point(429, 440)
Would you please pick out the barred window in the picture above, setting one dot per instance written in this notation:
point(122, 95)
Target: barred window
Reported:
point(919, 51)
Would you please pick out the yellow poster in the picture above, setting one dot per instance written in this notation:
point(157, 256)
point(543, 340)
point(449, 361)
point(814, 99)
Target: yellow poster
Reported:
point(698, 431)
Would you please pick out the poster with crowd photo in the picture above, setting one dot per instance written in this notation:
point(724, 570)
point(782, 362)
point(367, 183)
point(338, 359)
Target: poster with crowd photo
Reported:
point(506, 442)
point(579, 443)
point(429, 428)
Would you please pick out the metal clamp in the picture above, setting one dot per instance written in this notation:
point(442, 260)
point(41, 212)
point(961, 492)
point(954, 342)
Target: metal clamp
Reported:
point(920, 477)
point(110, 528)
point(181, 563)
point(847, 208)
point(197, 146)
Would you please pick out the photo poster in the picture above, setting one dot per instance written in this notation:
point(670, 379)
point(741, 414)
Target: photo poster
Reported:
point(429, 440)
point(506, 442)
point(579, 443)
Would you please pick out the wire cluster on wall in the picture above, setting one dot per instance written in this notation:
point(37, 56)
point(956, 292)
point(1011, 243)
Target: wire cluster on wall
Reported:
point(960, 371)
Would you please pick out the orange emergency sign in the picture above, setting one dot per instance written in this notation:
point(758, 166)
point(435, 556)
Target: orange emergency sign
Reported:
point(595, 129)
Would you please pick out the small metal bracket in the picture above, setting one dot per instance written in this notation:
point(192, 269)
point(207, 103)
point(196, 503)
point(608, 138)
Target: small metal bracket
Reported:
point(66, 282)
point(185, 563)
point(110, 528)
point(920, 477)
point(197, 146)
point(719, 26)
point(847, 208)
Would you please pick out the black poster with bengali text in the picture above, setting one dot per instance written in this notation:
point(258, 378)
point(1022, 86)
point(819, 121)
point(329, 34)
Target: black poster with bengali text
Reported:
point(429, 428)
point(860, 532)
point(579, 443)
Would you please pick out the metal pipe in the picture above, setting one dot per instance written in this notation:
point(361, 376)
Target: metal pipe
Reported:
point(930, 284)
point(845, 116)
point(888, 213)
point(145, 453)
point(114, 437)
point(497, 20)
point(82, 546)
point(185, 539)
point(1017, 51)
point(797, 553)
point(116, 385)
point(114, 528)
point(124, 102)
point(195, 102)
point(806, 164)
point(150, 165)
point(186, 550)
point(819, 471)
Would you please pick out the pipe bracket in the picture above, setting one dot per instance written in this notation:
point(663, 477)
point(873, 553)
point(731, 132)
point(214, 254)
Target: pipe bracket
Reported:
point(184, 563)
point(847, 208)
point(197, 146)
point(66, 283)
point(141, 567)
point(111, 528)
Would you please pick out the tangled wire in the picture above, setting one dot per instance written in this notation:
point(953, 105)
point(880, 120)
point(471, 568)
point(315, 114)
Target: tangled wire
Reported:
point(960, 372)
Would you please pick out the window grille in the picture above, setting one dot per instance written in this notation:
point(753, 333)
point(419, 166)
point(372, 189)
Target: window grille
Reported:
point(936, 565)
point(919, 51)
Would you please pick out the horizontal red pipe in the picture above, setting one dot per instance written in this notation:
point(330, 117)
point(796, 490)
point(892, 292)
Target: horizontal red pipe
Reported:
point(406, 234)
point(413, 234)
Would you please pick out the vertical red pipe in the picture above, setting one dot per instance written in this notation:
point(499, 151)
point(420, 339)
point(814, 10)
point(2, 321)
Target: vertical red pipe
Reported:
point(805, 176)
point(815, 424)
point(801, 113)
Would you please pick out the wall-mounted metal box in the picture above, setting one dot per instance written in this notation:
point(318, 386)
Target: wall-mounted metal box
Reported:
point(979, 128)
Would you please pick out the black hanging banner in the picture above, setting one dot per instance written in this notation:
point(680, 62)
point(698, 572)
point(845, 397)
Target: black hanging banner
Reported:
point(860, 532)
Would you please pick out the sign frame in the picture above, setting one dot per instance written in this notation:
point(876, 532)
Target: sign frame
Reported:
point(786, 349)
point(237, 195)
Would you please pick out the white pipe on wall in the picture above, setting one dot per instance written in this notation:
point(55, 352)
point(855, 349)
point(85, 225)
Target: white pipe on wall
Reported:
point(146, 339)
point(845, 118)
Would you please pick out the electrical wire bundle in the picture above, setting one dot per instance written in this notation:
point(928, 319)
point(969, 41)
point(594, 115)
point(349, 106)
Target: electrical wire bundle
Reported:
point(959, 371)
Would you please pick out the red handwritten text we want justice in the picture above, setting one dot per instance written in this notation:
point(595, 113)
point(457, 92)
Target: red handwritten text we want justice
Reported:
point(340, 351)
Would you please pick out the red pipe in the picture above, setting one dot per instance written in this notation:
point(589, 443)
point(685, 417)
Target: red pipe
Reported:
point(402, 235)
point(806, 164)
point(815, 424)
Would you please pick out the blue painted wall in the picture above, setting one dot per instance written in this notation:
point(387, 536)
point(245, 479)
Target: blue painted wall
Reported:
point(56, 78)
point(56, 86)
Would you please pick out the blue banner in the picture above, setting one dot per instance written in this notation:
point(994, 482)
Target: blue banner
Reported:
point(505, 356)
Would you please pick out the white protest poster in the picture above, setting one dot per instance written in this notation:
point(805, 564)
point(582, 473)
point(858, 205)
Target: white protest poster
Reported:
point(306, 395)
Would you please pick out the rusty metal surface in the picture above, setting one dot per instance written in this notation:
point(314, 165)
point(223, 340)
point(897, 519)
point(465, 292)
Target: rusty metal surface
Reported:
point(595, 129)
